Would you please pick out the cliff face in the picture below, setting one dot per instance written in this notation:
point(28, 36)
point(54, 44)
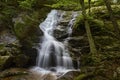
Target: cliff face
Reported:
point(19, 32)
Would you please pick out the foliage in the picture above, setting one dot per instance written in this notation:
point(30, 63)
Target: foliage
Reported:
point(26, 4)
point(80, 77)
point(26, 27)
point(106, 42)
point(6, 14)
point(66, 5)
point(102, 12)
point(99, 3)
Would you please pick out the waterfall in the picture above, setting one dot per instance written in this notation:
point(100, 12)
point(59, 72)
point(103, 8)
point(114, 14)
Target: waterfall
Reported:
point(70, 24)
point(53, 56)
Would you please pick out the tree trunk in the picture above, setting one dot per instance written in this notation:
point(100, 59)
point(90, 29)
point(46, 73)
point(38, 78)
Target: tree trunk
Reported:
point(114, 22)
point(88, 31)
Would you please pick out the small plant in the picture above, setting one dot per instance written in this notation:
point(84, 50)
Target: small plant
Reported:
point(26, 4)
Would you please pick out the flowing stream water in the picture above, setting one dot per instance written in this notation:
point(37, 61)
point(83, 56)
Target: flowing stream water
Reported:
point(53, 56)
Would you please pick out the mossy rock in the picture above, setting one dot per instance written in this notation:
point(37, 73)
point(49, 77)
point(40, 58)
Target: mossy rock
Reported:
point(85, 76)
point(80, 77)
point(27, 28)
point(66, 5)
point(20, 60)
point(3, 60)
point(15, 61)
point(101, 11)
point(10, 49)
point(13, 72)
point(11, 56)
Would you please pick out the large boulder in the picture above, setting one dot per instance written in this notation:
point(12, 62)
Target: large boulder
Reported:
point(13, 61)
point(3, 59)
point(66, 22)
point(26, 27)
point(10, 52)
point(13, 73)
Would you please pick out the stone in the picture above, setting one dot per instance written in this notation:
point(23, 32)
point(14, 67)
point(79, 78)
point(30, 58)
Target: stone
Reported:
point(20, 60)
point(13, 72)
point(69, 75)
point(3, 60)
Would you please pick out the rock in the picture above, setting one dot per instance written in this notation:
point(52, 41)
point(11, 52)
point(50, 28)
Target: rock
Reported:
point(10, 52)
point(6, 37)
point(24, 74)
point(14, 61)
point(69, 75)
point(28, 32)
point(102, 11)
point(60, 33)
point(64, 22)
point(78, 41)
point(85, 49)
point(76, 63)
point(31, 53)
point(8, 63)
point(9, 44)
point(84, 76)
point(20, 60)
point(13, 72)
point(77, 46)
point(62, 29)
point(80, 77)
point(26, 28)
point(3, 60)
point(118, 70)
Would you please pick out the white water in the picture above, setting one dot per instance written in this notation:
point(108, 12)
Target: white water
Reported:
point(53, 56)
point(71, 23)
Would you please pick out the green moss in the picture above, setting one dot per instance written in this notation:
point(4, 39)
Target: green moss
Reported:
point(19, 27)
point(90, 60)
point(78, 21)
point(86, 76)
point(3, 59)
point(80, 77)
point(98, 3)
point(101, 11)
point(20, 60)
point(17, 73)
point(66, 5)
point(26, 26)
point(98, 23)
point(2, 46)
point(26, 4)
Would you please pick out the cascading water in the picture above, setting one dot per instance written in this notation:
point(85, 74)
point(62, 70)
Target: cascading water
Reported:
point(70, 25)
point(53, 56)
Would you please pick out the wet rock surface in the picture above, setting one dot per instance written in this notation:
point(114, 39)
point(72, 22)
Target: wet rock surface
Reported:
point(69, 75)
point(13, 72)
point(66, 22)
point(24, 74)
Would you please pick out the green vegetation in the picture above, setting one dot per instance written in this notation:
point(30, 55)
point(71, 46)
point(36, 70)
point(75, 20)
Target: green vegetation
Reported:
point(67, 5)
point(97, 26)
point(26, 4)
point(106, 39)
